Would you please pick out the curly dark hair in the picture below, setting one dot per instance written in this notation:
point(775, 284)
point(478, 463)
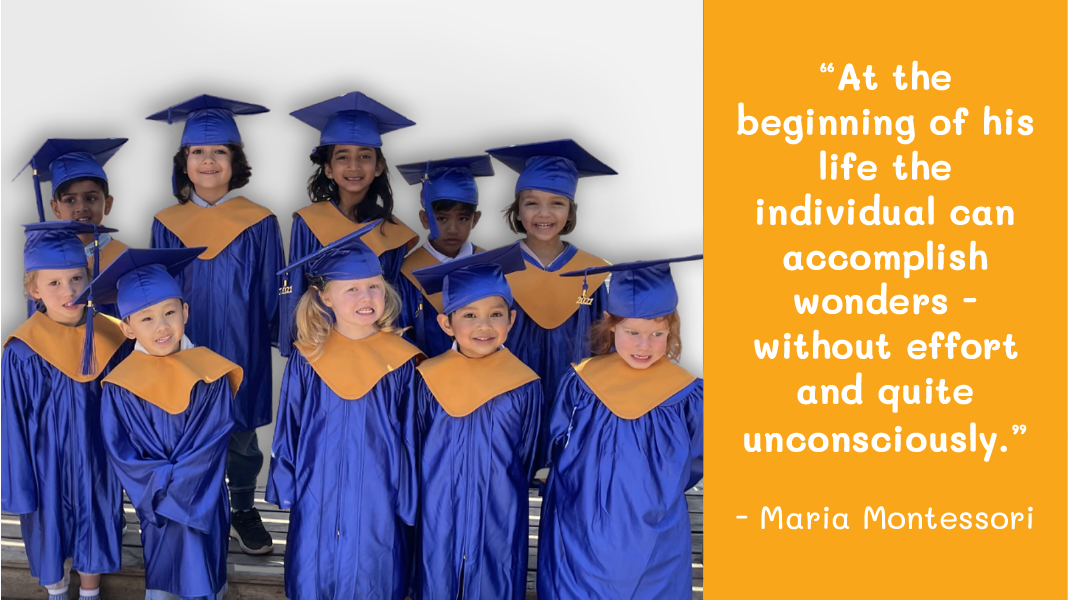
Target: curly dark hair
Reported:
point(241, 172)
point(511, 216)
point(323, 189)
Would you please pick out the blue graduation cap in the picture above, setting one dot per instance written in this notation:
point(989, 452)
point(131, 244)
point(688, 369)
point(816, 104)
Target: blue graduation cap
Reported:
point(138, 278)
point(639, 290)
point(352, 119)
point(447, 179)
point(553, 167)
point(56, 245)
point(61, 160)
point(345, 258)
point(465, 280)
point(209, 120)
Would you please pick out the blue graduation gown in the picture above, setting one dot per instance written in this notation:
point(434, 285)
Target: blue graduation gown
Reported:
point(345, 468)
point(474, 507)
point(233, 309)
point(614, 521)
point(172, 467)
point(56, 475)
point(550, 352)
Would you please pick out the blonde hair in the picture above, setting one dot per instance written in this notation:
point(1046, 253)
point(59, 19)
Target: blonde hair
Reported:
point(602, 338)
point(314, 321)
point(29, 281)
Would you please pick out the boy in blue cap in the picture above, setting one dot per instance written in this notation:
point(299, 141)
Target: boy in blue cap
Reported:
point(477, 414)
point(343, 458)
point(51, 385)
point(166, 420)
point(80, 192)
point(350, 187)
point(449, 197)
point(553, 313)
point(231, 288)
point(615, 524)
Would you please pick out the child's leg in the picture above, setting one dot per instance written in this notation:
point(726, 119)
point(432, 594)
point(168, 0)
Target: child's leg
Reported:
point(243, 463)
point(59, 588)
point(90, 585)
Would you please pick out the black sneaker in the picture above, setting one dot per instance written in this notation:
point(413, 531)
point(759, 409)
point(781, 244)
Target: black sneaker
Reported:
point(247, 528)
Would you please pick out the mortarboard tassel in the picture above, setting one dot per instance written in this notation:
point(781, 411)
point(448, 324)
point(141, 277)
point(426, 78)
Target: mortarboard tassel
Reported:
point(37, 190)
point(88, 350)
point(430, 218)
point(585, 300)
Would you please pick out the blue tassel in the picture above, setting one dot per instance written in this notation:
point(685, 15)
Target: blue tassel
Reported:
point(37, 190)
point(430, 218)
point(584, 300)
point(88, 349)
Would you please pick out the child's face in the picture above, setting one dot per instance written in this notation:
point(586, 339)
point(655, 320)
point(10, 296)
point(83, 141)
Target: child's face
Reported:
point(56, 289)
point(542, 214)
point(353, 168)
point(84, 201)
point(357, 303)
point(454, 227)
point(641, 342)
point(159, 328)
point(480, 328)
point(209, 167)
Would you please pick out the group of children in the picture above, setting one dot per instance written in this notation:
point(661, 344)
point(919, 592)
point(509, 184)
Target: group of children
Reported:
point(424, 388)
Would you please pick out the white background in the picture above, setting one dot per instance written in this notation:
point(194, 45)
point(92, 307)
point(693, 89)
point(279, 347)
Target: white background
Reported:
point(624, 81)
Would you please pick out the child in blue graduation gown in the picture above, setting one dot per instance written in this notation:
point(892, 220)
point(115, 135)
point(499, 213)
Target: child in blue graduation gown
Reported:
point(56, 476)
point(166, 420)
point(449, 197)
point(79, 193)
point(478, 409)
point(553, 314)
point(626, 444)
point(231, 288)
point(350, 187)
point(343, 458)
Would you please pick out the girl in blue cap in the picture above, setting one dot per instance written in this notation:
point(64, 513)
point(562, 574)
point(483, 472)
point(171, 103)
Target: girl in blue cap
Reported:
point(350, 187)
point(553, 313)
point(166, 417)
point(231, 288)
point(627, 442)
point(56, 475)
point(343, 458)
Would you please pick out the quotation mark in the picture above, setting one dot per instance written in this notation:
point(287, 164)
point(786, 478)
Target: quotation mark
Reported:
point(827, 68)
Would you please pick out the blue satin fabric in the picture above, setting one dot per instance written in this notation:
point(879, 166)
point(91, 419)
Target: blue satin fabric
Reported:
point(346, 471)
point(56, 474)
point(614, 523)
point(233, 310)
point(474, 508)
point(172, 467)
point(422, 323)
point(551, 352)
point(303, 242)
